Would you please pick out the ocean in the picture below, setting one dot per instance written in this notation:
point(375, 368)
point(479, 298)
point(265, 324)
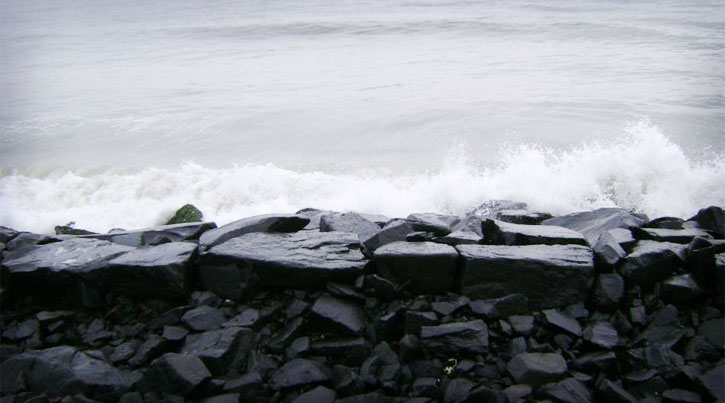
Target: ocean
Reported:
point(116, 113)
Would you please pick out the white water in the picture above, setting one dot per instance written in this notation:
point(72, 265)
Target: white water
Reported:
point(114, 114)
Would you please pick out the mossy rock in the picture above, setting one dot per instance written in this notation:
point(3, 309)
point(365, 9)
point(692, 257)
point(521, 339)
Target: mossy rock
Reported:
point(69, 230)
point(186, 214)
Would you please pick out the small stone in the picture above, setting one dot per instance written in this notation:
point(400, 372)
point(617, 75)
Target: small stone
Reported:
point(247, 318)
point(226, 398)
point(204, 318)
point(516, 393)
point(608, 290)
point(569, 390)
point(296, 308)
point(522, 324)
point(319, 394)
point(338, 315)
point(425, 387)
point(124, 351)
point(149, 349)
point(713, 381)
point(562, 321)
point(714, 331)
point(452, 338)
point(186, 214)
point(597, 362)
point(176, 373)
point(680, 396)
point(512, 304)
point(415, 319)
point(679, 289)
point(174, 333)
point(602, 334)
point(611, 392)
point(537, 368)
point(299, 372)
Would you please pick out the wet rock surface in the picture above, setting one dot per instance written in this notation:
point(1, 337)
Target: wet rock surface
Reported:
point(421, 322)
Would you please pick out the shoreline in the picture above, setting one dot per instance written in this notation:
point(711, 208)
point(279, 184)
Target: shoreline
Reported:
point(504, 304)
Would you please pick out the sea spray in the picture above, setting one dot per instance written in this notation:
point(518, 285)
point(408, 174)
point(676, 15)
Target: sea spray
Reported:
point(642, 170)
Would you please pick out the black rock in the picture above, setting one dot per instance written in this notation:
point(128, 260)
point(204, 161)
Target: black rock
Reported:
point(502, 233)
point(624, 238)
point(522, 324)
point(296, 308)
point(347, 351)
point(248, 385)
point(390, 327)
point(452, 338)
point(151, 348)
point(608, 252)
point(609, 391)
point(174, 333)
point(512, 304)
point(217, 348)
point(294, 260)
point(679, 289)
point(602, 334)
point(314, 215)
point(605, 362)
point(670, 235)
point(702, 263)
point(562, 321)
point(485, 394)
point(425, 387)
point(159, 271)
point(518, 393)
point(347, 381)
point(381, 288)
point(459, 238)
point(186, 214)
point(608, 290)
point(651, 262)
point(68, 272)
point(711, 219)
point(664, 327)
point(249, 317)
point(394, 231)
point(338, 315)
point(261, 223)
point(457, 390)
point(372, 397)
point(699, 349)
point(527, 217)
point(550, 276)
point(156, 235)
point(349, 222)
point(680, 396)
point(64, 370)
point(594, 223)
point(713, 382)
point(319, 394)
point(26, 241)
point(537, 369)
point(415, 319)
point(226, 398)
point(665, 222)
point(428, 267)
point(203, 318)
point(7, 234)
point(714, 331)
point(175, 373)
point(439, 224)
point(447, 308)
point(300, 372)
point(569, 390)
point(124, 351)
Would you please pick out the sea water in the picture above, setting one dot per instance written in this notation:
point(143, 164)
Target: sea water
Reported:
point(116, 113)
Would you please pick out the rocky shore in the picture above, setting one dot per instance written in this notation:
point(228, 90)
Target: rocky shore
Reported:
point(502, 305)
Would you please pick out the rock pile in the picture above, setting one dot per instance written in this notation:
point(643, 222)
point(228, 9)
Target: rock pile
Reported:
point(503, 305)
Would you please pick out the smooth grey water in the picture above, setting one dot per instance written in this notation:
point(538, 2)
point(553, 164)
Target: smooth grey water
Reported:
point(378, 106)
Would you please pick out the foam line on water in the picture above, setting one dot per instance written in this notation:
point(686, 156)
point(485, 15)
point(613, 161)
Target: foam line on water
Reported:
point(642, 170)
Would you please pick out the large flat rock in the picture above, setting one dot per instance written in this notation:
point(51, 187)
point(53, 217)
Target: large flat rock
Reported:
point(292, 260)
point(70, 272)
point(349, 222)
point(549, 275)
point(156, 235)
point(427, 267)
point(158, 271)
point(260, 223)
point(671, 235)
point(596, 222)
point(502, 233)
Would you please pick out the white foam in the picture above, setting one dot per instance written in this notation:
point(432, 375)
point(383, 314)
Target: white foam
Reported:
point(643, 171)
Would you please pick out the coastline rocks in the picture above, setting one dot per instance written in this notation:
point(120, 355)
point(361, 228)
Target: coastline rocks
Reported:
point(260, 223)
point(549, 276)
point(300, 372)
point(394, 231)
point(594, 223)
point(438, 224)
point(338, 315)
point(292, 260)
point(176, 374)
point(527, 217)
point(452, 338)
point(426, 267)
point(710, 219)
point(156, 235)
point(502, 233)
point(651, 262)
point(349, 222)
point(536, 369)
point(670, 235)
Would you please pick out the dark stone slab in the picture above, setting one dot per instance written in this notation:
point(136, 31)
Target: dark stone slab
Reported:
point(159, 271)
point(608, 391)
point(429, 267)
point(203, 318)
point(156, 235)
point(64, 370)
point(151, 348)
point(174, 333)
point(602, 334)
point(711, 219)
point(459, 238)
point(70, 272)
point(338, 315)
point(549, 276)
point(502, 233)
point(680, 289)
point(651, 262)
point(176, 374)
point(217, 348)
point(608, 252)
point(260, 223)
point(624, 238)
point(594, 223)
point(562, 321)
point(570, 390)
point(680, 396)
point(7, 234)
point(713, 382)
point(349, 222)
point(414, 320)
point(608, 290)
point(452, 338)
point(25, 241)
point(665, 222)
point(394, 231)
point(300, 372)
point(526, 217)
point(438, 224)
point(670, 235)
point(536, 369)
point(714, 331)
point(522, 324)
point(663, 328)
point(496, 308)
point(294, 260)
point(319, 394)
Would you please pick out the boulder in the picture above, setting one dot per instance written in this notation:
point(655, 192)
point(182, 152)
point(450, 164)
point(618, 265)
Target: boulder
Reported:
point(393, 231)
point(338, 315)
point(601, 334)
point(608, 290)
point(713, 381)
point(502, 233)
point(711, 219)
point(156, 235)
point(536, 369)
point(665, 222)
point(70, 272)
point(186, 214)
point(623, 237)
point(314, 215)
point(438, 224)
point(64, 370)
point(457, 337)
point(651, 262)
point(428, 267)
point(299, 372)
point(527, 217)
point(549, 276)
point(594, 223)
point(217, 348)
point(203, 318)
point(608, 252)
point(159, 271)
point(560, 320)
point(260, 223)
point(349, 222)
point(176, 374)
point(670, 235)
point(294, 260)
point(25, 241)
point(7, 234)
point(679, 289)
